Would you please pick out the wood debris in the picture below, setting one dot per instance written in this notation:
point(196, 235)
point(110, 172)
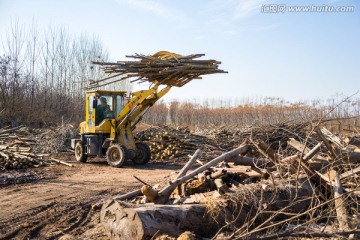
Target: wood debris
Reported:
point(246, 192)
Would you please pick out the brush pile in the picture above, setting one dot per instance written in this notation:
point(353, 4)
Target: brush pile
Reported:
point(163, 67)
point(283, 182)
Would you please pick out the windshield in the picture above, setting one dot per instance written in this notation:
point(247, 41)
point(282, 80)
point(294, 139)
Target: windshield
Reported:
point(108, 106)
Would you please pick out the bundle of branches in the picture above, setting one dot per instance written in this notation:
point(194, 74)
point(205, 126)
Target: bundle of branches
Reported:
point(163, 67)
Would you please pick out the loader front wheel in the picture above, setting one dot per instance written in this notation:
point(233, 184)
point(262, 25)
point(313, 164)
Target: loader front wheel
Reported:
point(80, 155)
point(116, 155)
point(143, 156)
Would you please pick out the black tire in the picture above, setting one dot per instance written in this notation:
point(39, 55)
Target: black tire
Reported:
point(80, 155)
point(143, 154)
point(116, 155)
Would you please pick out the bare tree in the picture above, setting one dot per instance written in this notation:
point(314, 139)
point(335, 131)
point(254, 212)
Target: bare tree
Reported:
point(43, 74)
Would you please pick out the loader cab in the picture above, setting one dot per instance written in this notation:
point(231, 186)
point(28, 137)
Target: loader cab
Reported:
point(102, 107)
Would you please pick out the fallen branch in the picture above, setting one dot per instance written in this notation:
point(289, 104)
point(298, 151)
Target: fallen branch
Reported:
point(61, 162)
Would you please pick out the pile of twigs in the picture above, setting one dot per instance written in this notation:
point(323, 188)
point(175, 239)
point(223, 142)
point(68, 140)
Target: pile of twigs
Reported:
point(163, 67)
point(54, 140)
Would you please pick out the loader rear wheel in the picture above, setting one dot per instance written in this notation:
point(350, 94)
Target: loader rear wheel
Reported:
point(143, 156)
point(116, 155)
point(80, 155)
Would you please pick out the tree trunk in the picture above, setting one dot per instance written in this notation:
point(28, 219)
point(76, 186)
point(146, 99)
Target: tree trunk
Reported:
point(340, 205)
point(247, 161)
point(129, 221)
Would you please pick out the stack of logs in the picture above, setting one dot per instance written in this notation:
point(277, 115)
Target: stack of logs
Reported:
point(19, 160)
point(20, 147)
point(168, 143)
point(239, 196)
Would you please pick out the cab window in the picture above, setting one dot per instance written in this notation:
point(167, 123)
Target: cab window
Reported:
point(90, 103)
point(119, 104)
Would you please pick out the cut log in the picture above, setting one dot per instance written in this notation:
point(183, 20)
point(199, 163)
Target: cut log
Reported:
point(61, 162)
point(332, 137)
point(247, 161)
point(128, 221)
point(298, 146)
point(326, 142)
point(310, 154)
point(149, 193)
point(129, 195)
point(340, 204)
point(305, 151)
point(190, 163)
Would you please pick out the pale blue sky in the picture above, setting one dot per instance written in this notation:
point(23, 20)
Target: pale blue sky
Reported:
point(289, 55)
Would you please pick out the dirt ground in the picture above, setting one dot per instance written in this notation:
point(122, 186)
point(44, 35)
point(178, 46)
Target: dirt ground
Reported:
point(61, 202)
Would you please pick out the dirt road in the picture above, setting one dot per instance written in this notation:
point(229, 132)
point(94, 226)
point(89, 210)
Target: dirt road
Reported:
point(61, 202)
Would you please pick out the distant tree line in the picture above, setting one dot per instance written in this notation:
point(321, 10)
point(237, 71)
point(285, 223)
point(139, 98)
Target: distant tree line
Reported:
point(212, 113)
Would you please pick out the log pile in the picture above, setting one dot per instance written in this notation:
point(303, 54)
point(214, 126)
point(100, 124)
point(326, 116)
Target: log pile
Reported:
point(19, 160)
point(21, 147)
point(286, 188)
point(163, 67)
point(167, 143)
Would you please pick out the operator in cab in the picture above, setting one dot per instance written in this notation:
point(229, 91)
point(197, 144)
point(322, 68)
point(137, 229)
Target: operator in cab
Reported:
point(102, 110)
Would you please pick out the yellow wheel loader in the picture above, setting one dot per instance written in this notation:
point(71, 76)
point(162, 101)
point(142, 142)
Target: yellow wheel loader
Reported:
point(109, 124)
